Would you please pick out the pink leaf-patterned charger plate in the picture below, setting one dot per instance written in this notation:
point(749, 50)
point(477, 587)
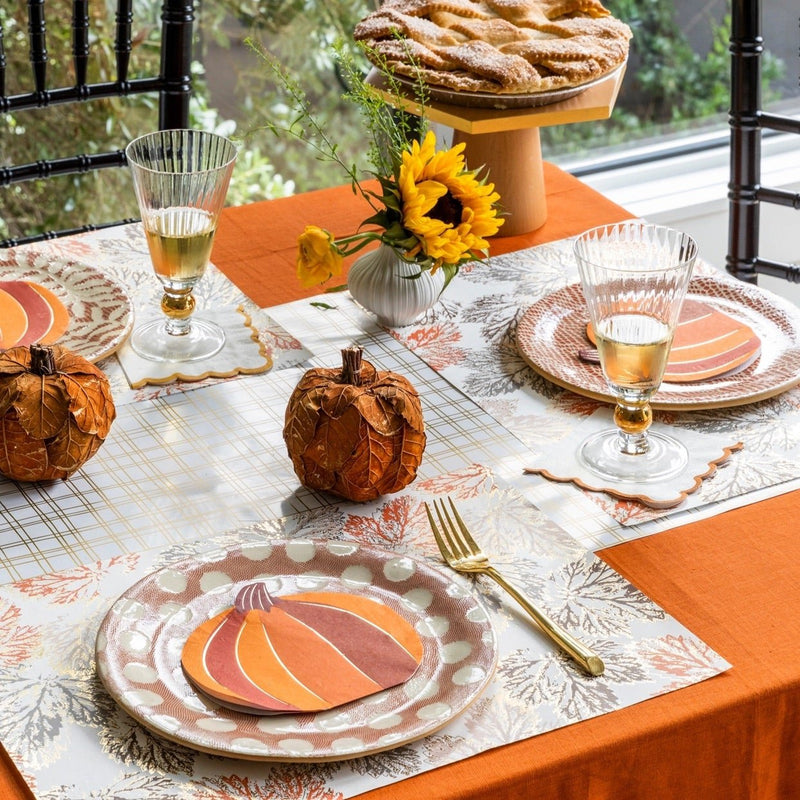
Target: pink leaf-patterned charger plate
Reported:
point(553, 329)
point(140, 641)
point(100, 311)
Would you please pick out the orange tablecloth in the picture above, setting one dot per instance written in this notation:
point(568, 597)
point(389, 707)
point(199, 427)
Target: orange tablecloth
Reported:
point(256, 245)
point(734, 580)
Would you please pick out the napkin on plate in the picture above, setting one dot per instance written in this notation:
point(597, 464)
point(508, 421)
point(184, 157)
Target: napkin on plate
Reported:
point(242, 352)
point(706, 453)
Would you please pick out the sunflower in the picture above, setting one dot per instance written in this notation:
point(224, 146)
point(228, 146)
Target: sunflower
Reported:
point(428, 207)
point(444, 205)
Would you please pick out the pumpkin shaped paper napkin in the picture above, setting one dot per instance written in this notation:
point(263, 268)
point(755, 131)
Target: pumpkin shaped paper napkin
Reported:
point(299, 653)
point(30, 313)
point(707, 343)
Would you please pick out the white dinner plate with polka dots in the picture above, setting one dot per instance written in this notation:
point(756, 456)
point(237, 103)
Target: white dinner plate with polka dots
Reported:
point(140, 641)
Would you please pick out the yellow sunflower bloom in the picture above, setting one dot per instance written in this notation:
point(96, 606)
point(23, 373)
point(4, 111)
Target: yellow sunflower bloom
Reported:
point(317, 256)
point(445, 206)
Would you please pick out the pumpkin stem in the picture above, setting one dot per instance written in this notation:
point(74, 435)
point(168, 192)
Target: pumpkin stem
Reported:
point(351, 365)
point(42, 361)
point(253, 596)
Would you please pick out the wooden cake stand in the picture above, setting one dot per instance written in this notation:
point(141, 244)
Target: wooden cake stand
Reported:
point(506, 141)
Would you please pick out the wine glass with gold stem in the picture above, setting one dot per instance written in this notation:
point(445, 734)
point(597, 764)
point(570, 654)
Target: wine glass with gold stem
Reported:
point(634, 277)
point(180, 178)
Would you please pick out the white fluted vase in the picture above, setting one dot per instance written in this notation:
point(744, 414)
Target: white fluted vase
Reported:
point(381, 282)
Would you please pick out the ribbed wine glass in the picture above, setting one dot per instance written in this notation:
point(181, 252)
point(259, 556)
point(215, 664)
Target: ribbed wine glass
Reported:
point(180, 178)
point(634, 277)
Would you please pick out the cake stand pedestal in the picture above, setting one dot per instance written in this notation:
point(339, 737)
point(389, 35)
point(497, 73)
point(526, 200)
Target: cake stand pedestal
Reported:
point(506, 141)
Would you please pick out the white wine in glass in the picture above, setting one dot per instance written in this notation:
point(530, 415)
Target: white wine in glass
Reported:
point(634, 277)
point(634, 349)
point(181, 178)
point(180, 242)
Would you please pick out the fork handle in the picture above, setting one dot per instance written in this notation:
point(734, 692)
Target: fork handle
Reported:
point(587, 658)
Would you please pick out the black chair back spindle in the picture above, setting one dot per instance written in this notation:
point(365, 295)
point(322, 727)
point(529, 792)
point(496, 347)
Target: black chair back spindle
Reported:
point(747, 122)
point(80, 40)
point(173, 85)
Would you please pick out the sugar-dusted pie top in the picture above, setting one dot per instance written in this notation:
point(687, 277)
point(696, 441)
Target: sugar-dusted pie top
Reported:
point(496, 46)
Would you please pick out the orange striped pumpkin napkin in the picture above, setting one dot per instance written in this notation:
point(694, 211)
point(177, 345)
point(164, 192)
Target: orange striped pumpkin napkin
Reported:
point(708, 343)
point(299, 653)
point(29, 313)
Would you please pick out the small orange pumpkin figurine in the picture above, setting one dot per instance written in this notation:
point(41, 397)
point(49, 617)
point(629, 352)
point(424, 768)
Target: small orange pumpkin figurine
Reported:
point(356, 432)
point(55, 412)
point(266, 655)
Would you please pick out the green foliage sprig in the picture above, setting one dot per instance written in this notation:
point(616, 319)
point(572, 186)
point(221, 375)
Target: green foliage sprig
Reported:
point(390, 129)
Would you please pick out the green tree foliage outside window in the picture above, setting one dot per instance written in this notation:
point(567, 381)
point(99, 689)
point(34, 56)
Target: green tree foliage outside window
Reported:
point(667, 87)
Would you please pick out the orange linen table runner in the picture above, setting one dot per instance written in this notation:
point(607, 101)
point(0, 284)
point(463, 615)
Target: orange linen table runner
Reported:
point(734, 580)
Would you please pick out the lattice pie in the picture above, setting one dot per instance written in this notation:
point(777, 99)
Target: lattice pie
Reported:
point(497, 46)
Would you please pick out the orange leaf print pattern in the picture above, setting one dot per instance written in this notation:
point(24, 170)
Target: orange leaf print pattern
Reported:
point(277, 339)
point(17, 642)
point(469, 482)
point(400, 521)
point(82, 583)
point(576, 404)
point(297, 786)
point(437, 345)
point(626, 512)
point(679, 655)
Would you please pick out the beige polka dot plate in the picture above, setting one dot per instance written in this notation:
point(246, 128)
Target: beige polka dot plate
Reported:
point(100, 311)
point(140, 641)
point(553, 329)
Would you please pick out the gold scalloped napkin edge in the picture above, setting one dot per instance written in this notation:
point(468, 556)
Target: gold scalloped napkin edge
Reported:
point(706, 453)
point(242, 354)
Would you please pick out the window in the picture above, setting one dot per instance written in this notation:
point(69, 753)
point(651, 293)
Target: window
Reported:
point(673, 100)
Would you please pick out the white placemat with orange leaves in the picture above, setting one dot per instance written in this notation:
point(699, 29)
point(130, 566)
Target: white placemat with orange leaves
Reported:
point(58, 715)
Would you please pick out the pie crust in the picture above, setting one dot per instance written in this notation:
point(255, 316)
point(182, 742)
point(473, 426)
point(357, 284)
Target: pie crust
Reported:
point(495, 46)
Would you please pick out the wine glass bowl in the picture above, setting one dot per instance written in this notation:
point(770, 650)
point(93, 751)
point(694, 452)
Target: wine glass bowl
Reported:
point(180, 178)
point(634, 277)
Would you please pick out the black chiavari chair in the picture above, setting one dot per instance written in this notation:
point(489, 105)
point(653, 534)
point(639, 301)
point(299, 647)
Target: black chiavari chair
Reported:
point(173, 86)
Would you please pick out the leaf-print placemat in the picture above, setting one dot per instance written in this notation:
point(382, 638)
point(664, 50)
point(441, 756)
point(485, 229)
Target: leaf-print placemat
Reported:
point(57, 715)
point(469, 339)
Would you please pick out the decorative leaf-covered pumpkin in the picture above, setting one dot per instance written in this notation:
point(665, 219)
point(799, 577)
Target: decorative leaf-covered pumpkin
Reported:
point(55, 412)
point(302, 652)
point(356, 432)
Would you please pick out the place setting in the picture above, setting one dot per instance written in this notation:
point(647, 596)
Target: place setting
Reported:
point(143, 298)
point(513, 334)
point(424, 666)
point(634, 278)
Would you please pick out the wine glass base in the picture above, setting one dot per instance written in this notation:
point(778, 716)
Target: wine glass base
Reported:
point(152, 341)
point(665, 457)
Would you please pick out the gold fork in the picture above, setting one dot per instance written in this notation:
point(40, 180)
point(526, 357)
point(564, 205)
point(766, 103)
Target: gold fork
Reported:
point(462, 553)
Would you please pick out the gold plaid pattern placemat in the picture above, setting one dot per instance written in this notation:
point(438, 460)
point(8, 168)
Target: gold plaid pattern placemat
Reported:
point(186, 466)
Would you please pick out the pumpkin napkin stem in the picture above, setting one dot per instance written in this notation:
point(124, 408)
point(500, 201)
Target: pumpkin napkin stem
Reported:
point(42, 361)
point(253, 596)
point(351, 365)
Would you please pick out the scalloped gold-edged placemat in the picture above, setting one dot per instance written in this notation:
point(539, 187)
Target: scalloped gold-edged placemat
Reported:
point(706, 453)
point(243, 353)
